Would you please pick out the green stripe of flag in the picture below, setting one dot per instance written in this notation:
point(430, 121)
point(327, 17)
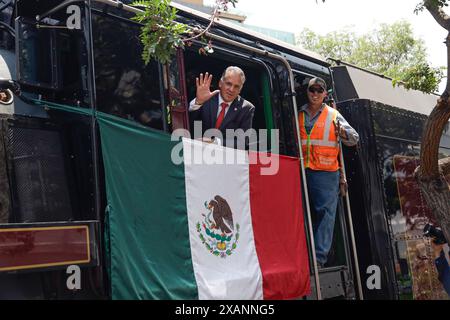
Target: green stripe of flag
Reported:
point(150, 250)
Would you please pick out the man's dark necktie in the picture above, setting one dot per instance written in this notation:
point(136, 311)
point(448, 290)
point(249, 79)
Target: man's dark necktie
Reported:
point(221, 114)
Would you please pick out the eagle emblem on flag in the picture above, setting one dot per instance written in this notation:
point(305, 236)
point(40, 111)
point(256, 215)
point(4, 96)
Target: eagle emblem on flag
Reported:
point(217, 231)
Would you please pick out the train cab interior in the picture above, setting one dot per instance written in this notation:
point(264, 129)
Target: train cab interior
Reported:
point(256, 87)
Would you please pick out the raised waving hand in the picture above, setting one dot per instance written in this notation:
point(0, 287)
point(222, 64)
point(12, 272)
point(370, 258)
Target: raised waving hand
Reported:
point(203, 88)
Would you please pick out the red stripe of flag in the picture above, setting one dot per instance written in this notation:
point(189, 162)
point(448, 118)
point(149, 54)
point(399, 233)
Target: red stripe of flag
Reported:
point(278, 226)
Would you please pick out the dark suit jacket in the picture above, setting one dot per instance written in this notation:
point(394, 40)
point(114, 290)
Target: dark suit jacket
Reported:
point(443, 271)
point(239, 115)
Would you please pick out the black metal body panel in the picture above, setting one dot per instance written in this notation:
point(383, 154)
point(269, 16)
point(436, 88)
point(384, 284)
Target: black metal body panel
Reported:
point(5, 196)
point(62, 166)
point(367, 199)
point(385, 131)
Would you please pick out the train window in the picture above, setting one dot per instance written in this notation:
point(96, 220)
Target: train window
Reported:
point(301, 83)
point(256, 88)
point(34, 50)
point(125, 86)
point(51, 58)
point(44, 55)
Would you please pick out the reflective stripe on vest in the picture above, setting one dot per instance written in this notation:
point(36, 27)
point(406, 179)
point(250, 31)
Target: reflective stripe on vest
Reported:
point(320, 147)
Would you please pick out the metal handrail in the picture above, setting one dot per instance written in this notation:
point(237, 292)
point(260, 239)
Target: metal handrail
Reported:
point(352, 233)
point(349, 212)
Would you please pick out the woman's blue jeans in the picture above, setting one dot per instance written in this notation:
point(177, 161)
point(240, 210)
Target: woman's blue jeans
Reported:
point(323, 189)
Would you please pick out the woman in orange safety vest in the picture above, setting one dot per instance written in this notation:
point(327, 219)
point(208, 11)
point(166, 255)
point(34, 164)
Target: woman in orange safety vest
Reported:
point(320, 149)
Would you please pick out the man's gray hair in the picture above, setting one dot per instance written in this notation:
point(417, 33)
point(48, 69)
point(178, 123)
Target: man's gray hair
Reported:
point(234, 69)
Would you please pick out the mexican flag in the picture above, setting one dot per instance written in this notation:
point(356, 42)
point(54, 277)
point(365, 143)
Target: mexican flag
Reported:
point(189, 220)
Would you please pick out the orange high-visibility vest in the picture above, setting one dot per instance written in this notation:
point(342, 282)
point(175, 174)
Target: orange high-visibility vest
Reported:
point(320, 147)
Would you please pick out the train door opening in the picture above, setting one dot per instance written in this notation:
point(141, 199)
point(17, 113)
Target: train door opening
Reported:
point(256, 88)
point(336, 276)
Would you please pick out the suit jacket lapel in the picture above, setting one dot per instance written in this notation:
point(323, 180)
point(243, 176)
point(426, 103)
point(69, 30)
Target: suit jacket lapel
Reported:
point(232, 111)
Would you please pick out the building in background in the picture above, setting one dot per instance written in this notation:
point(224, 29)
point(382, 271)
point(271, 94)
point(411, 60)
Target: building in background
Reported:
point(239, 18)
point(198, 5)
point(288, 37)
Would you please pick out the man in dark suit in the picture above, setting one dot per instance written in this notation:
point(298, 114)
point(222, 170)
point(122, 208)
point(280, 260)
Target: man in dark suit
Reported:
point(222, 109)
point(441, 263)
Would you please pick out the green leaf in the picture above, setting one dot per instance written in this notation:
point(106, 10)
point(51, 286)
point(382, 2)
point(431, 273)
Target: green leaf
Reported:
point(161, 34)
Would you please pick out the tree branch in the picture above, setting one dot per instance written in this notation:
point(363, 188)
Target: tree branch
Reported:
point(214, 15)
point(438, 14)
point(444, 165)
point(431, 136)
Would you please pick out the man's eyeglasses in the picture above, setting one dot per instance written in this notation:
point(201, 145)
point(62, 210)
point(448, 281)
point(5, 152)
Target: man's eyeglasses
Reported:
point(316, 90)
